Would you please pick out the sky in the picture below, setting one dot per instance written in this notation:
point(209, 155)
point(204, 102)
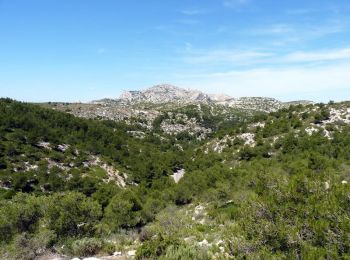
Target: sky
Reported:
point(82, 50)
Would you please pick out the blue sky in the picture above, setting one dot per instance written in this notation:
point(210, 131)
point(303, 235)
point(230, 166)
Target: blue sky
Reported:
point(80, 50)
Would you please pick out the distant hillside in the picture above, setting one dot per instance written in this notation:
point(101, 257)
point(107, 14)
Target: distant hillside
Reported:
point(162, 94)
point(174, 110)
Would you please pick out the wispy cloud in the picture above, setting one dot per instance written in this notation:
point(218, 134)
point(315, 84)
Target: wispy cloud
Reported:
point(160, 27)
point(188, 21)
point(237, 57)
point(235, 3)
point(302, 11)
point(299, 74)
point(191, 12)
point(188, 46)
point(225, 56)
point(273, 29)
point(328, 9)
point(284, 33)
point(331, 28)
point(300, 82)
point(302, 30)
point(323, 55)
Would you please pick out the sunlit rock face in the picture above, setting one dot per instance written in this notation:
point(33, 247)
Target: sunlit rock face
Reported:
point(164, 94)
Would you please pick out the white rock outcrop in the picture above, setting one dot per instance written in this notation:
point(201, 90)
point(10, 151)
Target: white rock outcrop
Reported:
point(164, 93)
point(178, 175)
point(132, 253)
point(204, 243)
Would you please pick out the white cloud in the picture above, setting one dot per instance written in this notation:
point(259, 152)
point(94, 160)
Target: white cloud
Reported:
point(188, 21)
point(191, 12)
point(326, 55)
point(274, 29)
point(331, 28)
point(302, 11)
point(235, 3)
point(239, 57)
point(301, 32)
point(330, 8)
point(226, 56)
point(307, 82)
point(188, 46)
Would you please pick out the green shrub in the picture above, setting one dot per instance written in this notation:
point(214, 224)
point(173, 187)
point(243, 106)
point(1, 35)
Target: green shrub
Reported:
point(27, 247)
point(184, 252)
point(21, 214)
point(72, 214)
point(154, 248)
point(183, 195)
point(86, 247)
point(123, 211)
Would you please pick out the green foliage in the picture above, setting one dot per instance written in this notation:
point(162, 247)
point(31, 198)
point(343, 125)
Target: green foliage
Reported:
point(155, 248)
point(123, 211)
point(324, 114)
point(29, 247)
point(21, 214)
point(183, 195)
point(105, 193)
point(24, 126)
point(287, 197)
point(151, 207)
point(86, 247)
point(184, 252)
point(72, 214)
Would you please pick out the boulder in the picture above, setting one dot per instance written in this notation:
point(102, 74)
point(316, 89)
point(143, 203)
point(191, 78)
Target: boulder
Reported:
point(132, 253)
point(117, 253)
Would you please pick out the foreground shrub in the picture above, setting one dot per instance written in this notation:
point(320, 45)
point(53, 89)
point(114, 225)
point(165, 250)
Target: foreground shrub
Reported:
point(86, 247)
point(28, 247)
point(20, 215)
point(184, 252)
point(169, 248)
point(72, 214)
point(154, 248)
point(124, 211)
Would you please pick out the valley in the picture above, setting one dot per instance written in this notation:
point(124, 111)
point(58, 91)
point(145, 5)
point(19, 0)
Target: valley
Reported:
point(169, 173)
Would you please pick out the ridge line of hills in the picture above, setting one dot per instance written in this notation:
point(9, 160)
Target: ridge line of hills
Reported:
point(166, 93)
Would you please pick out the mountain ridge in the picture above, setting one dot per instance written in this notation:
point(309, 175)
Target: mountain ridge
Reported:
point(164, 93)
point(167, 93)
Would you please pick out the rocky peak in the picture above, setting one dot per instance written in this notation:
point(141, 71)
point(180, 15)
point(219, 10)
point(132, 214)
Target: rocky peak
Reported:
point(164, 93)
point(169, 94)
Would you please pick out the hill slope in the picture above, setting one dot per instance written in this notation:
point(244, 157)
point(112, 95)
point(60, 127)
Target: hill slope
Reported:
point(264, 185)
point(174, 110)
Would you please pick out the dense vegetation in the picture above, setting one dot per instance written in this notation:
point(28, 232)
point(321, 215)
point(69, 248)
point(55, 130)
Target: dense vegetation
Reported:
point(285, 197)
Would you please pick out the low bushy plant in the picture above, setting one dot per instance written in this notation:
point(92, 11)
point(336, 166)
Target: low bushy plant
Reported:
point(86, 247)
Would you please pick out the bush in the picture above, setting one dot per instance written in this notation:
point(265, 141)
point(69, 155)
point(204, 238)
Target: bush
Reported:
point(86, 247)
point(124, 211)
point(185, 252)
point(151, 208)
point(28, 247)
point(105, 193)
point(183, 195)
point(20, 215)
point(73, 214)
point(153, 249)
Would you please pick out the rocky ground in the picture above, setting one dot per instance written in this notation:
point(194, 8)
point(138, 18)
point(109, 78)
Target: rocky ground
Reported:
point(144, 107)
